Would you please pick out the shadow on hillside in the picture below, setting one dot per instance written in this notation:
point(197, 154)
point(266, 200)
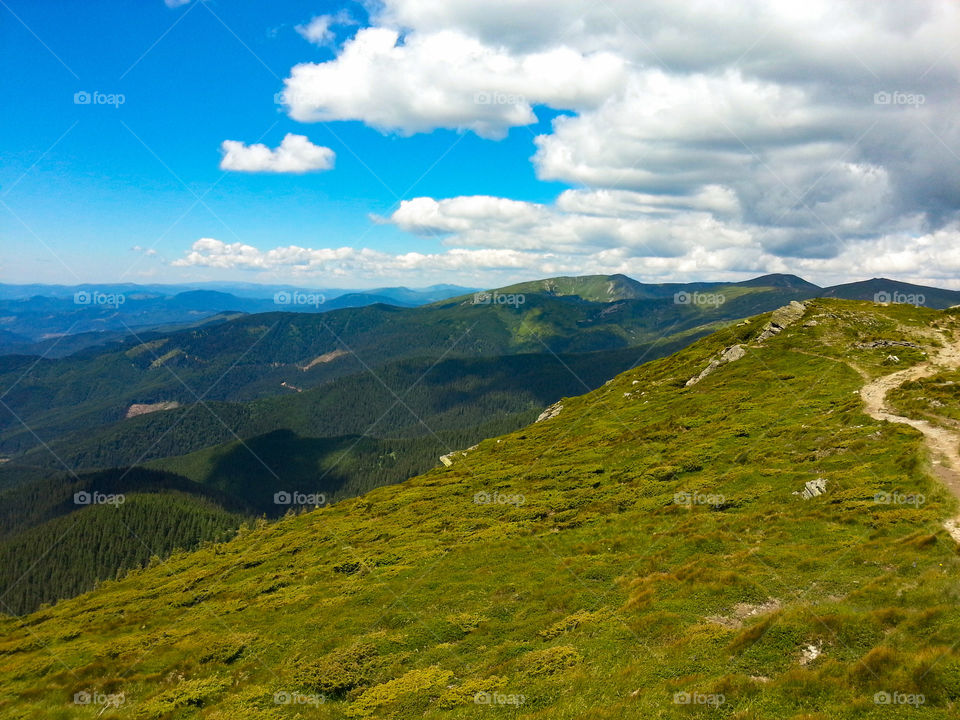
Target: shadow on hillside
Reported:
point(263, 470)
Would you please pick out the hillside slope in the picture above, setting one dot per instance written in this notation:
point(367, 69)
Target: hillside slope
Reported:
point(646, 552)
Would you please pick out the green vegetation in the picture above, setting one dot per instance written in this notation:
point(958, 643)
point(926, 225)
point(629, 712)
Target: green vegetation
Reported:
point(68, 555)
point(643, 547)
point(56, 540)
point(463, 397)
point(250, 357)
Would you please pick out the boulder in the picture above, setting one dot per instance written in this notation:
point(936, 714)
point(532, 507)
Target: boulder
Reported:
point(812, 488)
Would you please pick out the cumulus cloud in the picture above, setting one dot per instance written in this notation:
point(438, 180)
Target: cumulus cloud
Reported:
point(932, 258)
point(445, 79)
point(296, 154)
point(760, 135)
point(349, 261)
point(481, 221)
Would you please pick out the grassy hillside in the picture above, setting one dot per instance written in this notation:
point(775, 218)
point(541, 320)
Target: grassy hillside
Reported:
point(642, 554)
point(348, 435)
point(343, 439)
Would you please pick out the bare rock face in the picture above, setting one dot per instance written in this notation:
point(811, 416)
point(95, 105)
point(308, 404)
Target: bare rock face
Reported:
point(550, 413)
point(953, 527)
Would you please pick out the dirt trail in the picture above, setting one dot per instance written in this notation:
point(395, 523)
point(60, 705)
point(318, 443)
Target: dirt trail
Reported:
point(944, 443)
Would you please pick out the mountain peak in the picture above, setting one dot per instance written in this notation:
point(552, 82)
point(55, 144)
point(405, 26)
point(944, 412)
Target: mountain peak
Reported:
point(781, 280)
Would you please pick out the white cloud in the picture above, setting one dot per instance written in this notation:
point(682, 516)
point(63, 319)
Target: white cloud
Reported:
point(445, 79)
point(296, 154)
point(671, 236)
point(481, 221)
point(932, 258)
point(741, 135)
point(176, 3)
point(350, 262)
point(318, 31)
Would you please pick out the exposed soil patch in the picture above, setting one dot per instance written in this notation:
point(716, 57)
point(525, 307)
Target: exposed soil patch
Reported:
point(325, 358)
point(743, 611)
point(145, 408)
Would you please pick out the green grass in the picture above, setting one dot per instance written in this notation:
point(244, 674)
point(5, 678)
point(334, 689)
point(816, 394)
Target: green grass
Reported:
point(596, 596)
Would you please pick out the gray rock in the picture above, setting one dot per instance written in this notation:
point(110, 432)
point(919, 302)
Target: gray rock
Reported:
point(812, 488)
point(781, 319)
point(734, 352)
point(551, 412)
point(885, 343)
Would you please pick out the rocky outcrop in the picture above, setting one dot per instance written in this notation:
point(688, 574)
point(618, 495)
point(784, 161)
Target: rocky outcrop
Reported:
point(734, 352)
point(885, 343)
point(550, 413)
point(812, 488)
point(448, 459)
point(781, 319)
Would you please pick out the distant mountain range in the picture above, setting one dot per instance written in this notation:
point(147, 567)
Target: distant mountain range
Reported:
point(57, 320)
point(607, 288)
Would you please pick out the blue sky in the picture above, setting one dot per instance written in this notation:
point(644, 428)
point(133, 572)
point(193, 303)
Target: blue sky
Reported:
point(113, 178)
point(766, 151)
